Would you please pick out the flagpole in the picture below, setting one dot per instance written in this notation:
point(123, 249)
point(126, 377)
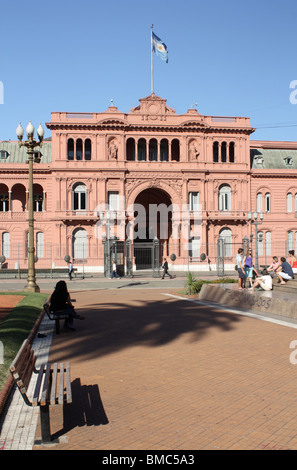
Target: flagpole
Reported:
point(152, 67)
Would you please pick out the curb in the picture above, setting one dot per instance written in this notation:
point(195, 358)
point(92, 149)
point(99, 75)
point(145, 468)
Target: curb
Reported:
point(6, 390)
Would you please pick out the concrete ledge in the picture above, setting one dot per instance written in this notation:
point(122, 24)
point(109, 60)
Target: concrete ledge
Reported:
point(272, 302)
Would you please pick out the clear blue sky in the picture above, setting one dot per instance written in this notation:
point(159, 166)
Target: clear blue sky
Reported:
point(233, 58)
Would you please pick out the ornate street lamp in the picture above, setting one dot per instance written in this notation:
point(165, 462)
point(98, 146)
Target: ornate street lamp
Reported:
point(109, 218)
point(30, 144)
point(253, 218)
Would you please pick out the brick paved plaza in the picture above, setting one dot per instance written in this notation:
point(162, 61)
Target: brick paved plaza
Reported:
point(155, 372)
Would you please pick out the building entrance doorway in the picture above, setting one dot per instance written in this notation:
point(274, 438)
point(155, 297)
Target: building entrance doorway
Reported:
point(153, 221)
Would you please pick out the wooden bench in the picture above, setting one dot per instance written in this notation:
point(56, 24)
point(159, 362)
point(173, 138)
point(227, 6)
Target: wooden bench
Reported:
point(56, 315)
point(53, 384)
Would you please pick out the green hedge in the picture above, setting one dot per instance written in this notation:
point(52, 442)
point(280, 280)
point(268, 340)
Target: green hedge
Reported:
point(194, 286)
point(16, 327)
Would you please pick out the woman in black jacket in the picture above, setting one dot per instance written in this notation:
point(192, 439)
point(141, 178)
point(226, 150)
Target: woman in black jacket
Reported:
point(60, 301)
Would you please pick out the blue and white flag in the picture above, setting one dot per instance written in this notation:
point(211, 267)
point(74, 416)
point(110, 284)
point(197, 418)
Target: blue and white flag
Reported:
point(159, 47)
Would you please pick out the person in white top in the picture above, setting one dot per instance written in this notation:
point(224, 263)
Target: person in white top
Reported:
point(264, 281)
point(114, 271)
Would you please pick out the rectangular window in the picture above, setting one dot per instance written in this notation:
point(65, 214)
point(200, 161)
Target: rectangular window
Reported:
point(194, 201)
point(40, 245)
point(113, 200)
point(37, 202)
point(290, 240)
point(6, 244)
point(195, 247)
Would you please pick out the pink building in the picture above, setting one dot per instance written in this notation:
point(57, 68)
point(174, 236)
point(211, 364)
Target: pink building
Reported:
point(180, 183)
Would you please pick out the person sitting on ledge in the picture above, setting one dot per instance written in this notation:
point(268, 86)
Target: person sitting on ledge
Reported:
point(274, 265)
point(285, 271)
point(59, 300)
point(293, 261)
point(264, 281)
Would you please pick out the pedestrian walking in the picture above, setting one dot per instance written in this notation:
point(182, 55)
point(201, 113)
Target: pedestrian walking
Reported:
point(249, 267)
point(114, 271)
point(70, 270)
point(165, 267)
point(240, 269)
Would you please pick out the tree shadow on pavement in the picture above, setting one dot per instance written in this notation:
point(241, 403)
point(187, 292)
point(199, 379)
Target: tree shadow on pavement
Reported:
point(113, 326)
point(86, 409)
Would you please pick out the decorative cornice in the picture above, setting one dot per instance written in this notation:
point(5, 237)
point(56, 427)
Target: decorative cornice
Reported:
point(189, 126)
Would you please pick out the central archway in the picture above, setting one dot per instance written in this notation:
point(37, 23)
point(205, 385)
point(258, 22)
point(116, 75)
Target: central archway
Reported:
point(153, 218)
point(157, 219)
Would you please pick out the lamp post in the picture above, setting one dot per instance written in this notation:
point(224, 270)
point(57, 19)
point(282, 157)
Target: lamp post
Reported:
point(109, 219)
point(30, 144)
point(253, 218)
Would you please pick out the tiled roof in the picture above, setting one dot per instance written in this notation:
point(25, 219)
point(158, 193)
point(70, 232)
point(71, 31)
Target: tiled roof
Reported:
point(18, 154)
point(273, 159)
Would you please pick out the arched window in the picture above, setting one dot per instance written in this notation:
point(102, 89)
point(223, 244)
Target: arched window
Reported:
point(88, 149)
point(79, 197)
point(4, 200)
point(259, 202)
point(37, 198)
point(153, 150)
point(267, 202)
point(226, 235)
point(215, 150)
point(231, 152)
point(289, 202)
point(224, 198)
point(19, 199)
point(224, 152)
point(164, 150)
point(70, 149)
point(79, 244)
point(175, 155)
point(141, 150)
point(79, 149)
point(130, 149)
point(295, 203)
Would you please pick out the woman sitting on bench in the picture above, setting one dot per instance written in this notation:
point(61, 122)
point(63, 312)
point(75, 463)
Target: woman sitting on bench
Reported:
point(60, 300)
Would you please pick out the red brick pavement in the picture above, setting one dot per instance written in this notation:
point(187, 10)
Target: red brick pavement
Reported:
point(151, 372)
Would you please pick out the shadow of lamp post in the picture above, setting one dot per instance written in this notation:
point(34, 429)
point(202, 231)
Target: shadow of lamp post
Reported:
point(30, 144)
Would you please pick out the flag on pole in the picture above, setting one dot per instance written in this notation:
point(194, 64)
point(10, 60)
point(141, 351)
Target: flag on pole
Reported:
point(159, 47)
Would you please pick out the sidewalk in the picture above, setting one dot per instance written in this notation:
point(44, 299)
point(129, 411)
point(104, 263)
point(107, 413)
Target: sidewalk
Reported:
point(154, 372)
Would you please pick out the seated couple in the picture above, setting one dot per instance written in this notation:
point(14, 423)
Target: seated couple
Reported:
point(284, 273)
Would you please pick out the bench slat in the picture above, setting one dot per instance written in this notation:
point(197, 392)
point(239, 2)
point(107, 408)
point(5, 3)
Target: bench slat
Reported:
point(35, 401)
point(30, 367)
point(21, 360)
point(46, 384)
point(61, 385)
point(18, 357)
point(68, 384)
point(54, 384)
